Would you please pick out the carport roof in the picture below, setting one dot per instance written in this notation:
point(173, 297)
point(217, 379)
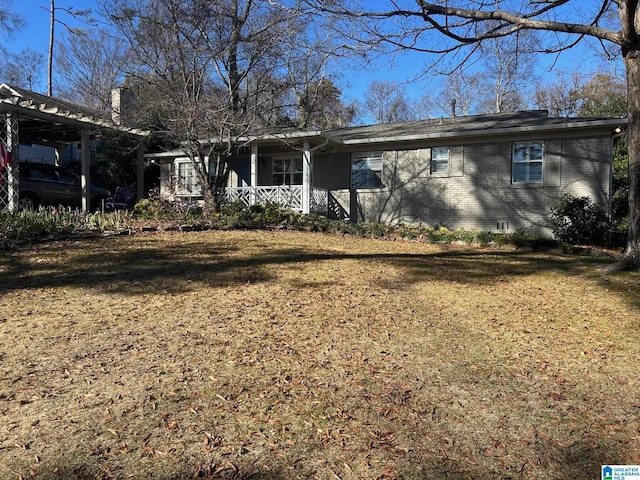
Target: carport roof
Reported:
point(48, 120)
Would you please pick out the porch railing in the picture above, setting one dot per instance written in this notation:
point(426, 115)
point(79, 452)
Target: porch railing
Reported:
point(289, 196)
point(319, 202)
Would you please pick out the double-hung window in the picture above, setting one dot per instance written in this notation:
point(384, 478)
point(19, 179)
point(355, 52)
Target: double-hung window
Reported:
point(186, 178)
point(526, 162)
point(366, 170)
point(440, 160)
point(287, 171)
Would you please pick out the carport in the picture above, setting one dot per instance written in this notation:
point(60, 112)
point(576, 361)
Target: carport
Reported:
point(30, 117)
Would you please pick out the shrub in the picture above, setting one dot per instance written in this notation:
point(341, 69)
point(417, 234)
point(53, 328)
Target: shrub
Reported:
point(29, 225)
point(484, 237)
point(578, 221)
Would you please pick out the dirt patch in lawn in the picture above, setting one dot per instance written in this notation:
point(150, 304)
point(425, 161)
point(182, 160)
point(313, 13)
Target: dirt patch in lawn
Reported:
point(296, 355)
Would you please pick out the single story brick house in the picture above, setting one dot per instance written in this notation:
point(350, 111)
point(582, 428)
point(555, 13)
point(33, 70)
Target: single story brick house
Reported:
point(498, 172)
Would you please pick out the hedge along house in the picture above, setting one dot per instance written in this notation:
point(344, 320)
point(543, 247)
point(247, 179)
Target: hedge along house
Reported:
point(32, 118)
point(498, 172)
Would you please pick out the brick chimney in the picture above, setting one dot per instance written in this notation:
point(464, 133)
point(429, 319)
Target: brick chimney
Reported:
point(121, 105)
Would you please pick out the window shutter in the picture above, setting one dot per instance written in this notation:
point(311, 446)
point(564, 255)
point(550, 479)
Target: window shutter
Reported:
point(552, 159)
point(504, 164)
point(456, 161)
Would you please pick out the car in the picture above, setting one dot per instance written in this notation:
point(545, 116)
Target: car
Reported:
point(45, 184)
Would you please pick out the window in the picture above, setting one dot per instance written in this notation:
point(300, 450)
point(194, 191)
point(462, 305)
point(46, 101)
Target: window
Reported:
point(440, 160)
point(366, 170)
point(186, 178)
point(287, 171)
point(526, 164)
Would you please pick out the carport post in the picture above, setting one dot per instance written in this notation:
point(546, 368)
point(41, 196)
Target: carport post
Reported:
point(85, 163)
point(11, 143)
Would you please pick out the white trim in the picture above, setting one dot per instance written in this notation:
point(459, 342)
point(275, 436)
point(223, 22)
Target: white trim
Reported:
point(253, 179)
point(527, 161)
point(433, 161)
point(370, 160)
point(306, 178)
point(6, 87)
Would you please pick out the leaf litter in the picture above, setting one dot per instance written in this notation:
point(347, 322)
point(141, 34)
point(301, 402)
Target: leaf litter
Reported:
point(298, 355)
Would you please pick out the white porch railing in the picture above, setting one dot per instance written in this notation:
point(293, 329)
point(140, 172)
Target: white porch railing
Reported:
point(319, 200)
point(289, 196)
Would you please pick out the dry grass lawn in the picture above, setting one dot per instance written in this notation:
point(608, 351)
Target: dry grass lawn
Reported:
point(277, 355)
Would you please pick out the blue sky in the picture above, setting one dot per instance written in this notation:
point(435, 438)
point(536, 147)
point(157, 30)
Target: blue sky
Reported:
point(35, 35)
point(353, 79)
point(35, 13)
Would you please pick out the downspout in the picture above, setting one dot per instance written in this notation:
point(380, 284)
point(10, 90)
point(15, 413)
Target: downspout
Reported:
point(85, 165)
point(319, 146)
point(618, 132)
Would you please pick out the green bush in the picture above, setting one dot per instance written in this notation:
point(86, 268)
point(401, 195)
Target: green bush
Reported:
point(579, 221)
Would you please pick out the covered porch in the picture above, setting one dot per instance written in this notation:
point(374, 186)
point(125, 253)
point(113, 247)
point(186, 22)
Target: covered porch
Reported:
point(274, 169)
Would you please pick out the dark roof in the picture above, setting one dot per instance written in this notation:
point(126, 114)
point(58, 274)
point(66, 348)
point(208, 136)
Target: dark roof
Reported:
point(464, 126)
point(515, 123)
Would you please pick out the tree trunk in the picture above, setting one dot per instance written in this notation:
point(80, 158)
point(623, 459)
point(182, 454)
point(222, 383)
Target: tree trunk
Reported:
point(52, 27)
point(631, 257)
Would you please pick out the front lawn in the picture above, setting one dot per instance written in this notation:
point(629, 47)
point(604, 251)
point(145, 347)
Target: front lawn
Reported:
point(277, 355)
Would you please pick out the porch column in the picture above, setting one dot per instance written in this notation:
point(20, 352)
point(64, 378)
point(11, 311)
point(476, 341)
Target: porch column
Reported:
point(85, 163)
point(254, 174)
point(306, 178)
point(140, 171)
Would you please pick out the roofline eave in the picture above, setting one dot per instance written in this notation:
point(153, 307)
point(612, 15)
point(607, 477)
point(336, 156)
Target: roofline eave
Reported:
point(486, 132)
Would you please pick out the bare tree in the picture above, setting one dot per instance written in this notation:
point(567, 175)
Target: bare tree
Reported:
point(463, 25)
point(462, 93)
point(387, 102)
point(316, 100)
point(9, 21)
point(320, 106)
point(508, 63)
point(573, 94)
point(498, 80)
point(205, 69)
point(90, 67)
point(560, 95)
point(23, 68)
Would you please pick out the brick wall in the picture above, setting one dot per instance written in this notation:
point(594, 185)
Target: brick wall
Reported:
point(477, 192)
